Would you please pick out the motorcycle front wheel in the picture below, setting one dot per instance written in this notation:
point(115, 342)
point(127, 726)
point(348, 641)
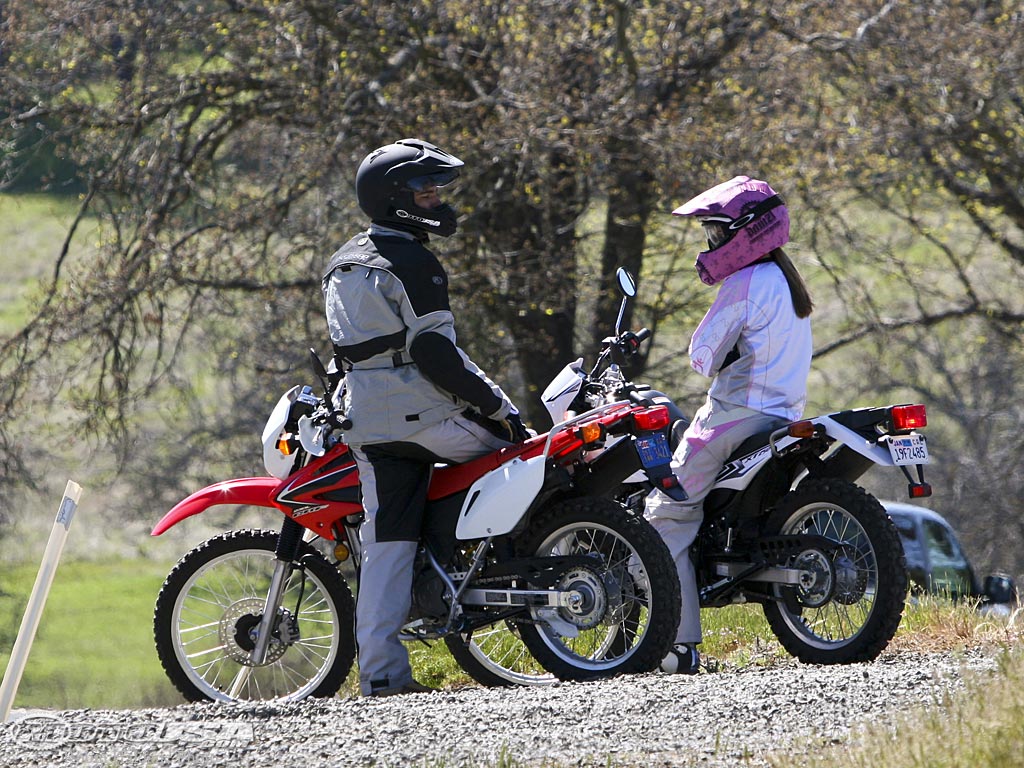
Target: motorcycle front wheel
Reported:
point(210, 606)
point(626, 606)
point(852, 602)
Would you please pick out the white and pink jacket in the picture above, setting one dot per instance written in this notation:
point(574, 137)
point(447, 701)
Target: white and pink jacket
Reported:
point(753, 316)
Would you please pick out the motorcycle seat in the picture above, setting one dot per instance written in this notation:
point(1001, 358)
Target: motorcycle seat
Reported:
point(754, 442)
point(751, 444)
point(676, 432)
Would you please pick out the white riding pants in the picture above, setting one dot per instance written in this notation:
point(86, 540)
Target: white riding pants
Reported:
point(716, 431)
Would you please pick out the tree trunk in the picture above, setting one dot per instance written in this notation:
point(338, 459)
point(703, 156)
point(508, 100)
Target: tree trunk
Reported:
point(631, 199)
point(543, 323)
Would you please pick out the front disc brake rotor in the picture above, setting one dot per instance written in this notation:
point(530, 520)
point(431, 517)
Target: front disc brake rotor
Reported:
point(590, 603)
point(238, 627)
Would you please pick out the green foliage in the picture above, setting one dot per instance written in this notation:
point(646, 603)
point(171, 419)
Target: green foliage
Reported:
point(36, 161)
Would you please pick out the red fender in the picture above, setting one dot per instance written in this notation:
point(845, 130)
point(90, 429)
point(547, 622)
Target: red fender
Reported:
point(250, 491)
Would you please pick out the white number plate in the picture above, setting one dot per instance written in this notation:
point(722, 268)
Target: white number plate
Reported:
point(908, 449)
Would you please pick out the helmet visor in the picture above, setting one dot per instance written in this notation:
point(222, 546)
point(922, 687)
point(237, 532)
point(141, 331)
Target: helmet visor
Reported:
point(439, 179)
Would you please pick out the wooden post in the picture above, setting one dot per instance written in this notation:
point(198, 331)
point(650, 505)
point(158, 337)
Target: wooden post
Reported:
point(36, 603)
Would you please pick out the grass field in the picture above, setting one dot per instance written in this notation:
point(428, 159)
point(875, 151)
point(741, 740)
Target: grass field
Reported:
point(32, 230)
point(94, 647)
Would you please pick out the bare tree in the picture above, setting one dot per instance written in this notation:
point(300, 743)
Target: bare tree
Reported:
point(217, 142)
point(914, 152)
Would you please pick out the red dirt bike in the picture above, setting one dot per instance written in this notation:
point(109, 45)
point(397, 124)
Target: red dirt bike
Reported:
point(526, 566)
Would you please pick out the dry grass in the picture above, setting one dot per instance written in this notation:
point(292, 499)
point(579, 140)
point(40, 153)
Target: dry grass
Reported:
point(981, 727)
point(936, 624)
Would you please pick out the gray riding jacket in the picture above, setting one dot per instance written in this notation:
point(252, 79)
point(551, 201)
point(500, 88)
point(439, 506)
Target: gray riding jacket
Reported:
point(393, 332)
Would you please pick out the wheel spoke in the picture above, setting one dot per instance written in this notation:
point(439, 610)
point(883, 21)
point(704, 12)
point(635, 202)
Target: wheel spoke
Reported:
point(835, 622)
point(607, 642)
point(214, 610)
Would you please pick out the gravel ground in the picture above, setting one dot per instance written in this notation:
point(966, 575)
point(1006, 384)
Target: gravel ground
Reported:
point(724, 718)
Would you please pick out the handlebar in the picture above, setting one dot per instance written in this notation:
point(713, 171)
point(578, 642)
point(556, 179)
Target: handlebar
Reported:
point(626, 345)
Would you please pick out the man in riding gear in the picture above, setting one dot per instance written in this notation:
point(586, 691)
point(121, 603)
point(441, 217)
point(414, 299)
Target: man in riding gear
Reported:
point(413, 397)
point(755, 345)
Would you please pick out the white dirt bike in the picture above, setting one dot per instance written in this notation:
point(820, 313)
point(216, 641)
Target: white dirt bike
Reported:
point(786, 526)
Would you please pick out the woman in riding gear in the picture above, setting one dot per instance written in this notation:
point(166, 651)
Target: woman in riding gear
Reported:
point(754, 343)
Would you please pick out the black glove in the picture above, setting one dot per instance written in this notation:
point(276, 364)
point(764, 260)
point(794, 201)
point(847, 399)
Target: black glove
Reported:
point(517, 431)
point(511, 428)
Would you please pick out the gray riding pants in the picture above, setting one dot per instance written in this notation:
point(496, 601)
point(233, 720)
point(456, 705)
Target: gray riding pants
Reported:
point(393, 479)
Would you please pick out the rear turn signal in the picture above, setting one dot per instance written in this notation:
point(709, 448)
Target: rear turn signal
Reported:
point(801, 429)
point(908, 417)
point(655, 417)
point(590, 433)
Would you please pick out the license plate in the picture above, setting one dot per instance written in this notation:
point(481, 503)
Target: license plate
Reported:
point(908, 449)
point(653, 450)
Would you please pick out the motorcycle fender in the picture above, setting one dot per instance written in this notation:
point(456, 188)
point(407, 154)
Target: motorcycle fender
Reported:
point(497, 501)
point(869, 450)
point(248, 491)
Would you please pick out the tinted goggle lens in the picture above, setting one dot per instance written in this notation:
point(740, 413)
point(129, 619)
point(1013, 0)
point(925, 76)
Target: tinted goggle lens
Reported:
point(439, 179)
point(717, 233)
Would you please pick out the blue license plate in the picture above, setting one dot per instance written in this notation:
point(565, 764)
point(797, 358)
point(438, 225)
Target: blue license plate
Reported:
point(653, 450)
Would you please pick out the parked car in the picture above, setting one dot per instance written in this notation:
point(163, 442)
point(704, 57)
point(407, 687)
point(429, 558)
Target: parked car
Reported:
point(936, 562)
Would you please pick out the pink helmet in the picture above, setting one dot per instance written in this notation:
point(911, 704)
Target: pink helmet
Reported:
point(744, 219)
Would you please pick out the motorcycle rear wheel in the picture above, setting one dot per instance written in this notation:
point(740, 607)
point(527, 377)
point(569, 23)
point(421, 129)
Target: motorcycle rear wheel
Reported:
point(210, 602)
point(855, 617)
point(640, 589)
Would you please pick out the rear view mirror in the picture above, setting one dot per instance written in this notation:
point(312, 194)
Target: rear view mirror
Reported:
point(627, 283)
point(1000, 588)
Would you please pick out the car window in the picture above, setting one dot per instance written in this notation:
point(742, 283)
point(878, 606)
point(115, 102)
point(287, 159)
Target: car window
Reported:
point(905, 526)
point(949, 570)
point(912, 549)
point(943, 546)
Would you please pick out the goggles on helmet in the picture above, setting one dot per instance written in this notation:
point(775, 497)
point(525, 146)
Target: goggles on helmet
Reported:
point(719, 229)
point(716, 230)
point(439, 179)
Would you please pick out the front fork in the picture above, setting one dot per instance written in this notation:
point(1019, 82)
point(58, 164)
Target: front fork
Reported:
point(287, 552)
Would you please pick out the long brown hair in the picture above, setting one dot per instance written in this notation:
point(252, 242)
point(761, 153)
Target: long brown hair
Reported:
point(802, 304)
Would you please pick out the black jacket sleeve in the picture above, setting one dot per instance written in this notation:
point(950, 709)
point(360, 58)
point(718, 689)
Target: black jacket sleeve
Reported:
point(439, 360)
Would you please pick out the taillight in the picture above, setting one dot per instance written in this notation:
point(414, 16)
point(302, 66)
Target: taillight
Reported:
point(908, 417)
point(655, 417)
point(919, 490)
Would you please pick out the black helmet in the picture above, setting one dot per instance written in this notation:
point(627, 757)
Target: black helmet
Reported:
point(387, 177)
